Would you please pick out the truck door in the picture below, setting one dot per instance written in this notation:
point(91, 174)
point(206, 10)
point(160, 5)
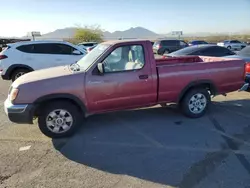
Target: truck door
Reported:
point(127, 81)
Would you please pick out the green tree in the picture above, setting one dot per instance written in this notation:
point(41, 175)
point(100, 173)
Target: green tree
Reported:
point(88, 34)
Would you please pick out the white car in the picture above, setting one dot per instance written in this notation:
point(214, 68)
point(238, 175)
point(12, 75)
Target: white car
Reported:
point(22, 57)
point(232, 44)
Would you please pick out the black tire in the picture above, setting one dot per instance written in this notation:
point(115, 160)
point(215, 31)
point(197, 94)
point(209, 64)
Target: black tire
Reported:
point(186, 101)
point(16, 72)
point(229, 47)
point(76, 114)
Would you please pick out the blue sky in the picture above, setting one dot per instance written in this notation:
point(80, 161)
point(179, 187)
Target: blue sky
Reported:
point(162, 16)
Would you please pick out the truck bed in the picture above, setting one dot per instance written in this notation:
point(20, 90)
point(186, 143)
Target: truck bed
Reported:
point(176, 73)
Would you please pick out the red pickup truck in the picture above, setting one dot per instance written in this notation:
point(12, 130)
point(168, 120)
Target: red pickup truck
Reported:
point(118, 75)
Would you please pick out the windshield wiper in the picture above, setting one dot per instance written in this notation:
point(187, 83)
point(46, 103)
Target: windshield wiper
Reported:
point(75, 67)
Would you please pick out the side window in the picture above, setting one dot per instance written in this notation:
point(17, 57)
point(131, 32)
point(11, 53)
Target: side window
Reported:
point(216, 51)
point(26, 48)
point(125, 58)
point(165, 43)
point(235, 41)
point(62, 49)
point(171, 43)
point(225, 51)
point(47, 48)
point(42, 48)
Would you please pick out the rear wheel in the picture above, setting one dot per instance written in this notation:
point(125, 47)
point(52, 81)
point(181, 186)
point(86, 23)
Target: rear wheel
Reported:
point(17, 73)
point(59, 119)
point(195, 103)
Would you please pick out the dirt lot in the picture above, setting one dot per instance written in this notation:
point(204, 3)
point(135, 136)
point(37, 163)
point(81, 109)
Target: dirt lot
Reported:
point(154, 147)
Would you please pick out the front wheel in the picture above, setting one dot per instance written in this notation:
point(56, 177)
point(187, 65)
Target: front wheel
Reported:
point(59, 119)
point(17, 73)
point(229, 47)
point(195, 103)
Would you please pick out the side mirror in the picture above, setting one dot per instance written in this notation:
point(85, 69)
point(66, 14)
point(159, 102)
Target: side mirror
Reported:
point(76, 52)
point(100, 67)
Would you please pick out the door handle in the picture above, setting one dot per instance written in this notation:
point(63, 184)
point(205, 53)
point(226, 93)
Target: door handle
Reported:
point(142, 77)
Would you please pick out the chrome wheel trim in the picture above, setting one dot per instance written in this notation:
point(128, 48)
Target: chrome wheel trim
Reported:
point(197, 103)
point(59, 121)
point(19, 74)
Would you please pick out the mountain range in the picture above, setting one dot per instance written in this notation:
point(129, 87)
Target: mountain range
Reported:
point(137, 32)
point(134, 32)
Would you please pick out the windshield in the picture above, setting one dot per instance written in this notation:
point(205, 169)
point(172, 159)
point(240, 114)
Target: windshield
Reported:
point(90, 58)
point(185, 51)
point(245, 51)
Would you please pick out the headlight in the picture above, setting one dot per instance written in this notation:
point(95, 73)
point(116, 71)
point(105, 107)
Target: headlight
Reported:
point(13, 94)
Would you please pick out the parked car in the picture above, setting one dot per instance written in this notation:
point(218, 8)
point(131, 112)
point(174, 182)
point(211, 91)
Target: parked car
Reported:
point(232, 44)
point(243, 54)
point(202, 50)
point(86, 45)
point(197, 42)
point(167, 46)
point(23, 57)
point(118, 75)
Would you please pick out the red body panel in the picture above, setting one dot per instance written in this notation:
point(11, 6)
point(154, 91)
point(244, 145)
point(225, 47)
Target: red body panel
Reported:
point(167, 79)
point(227, 75)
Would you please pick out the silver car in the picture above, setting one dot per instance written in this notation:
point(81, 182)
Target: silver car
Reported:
point(232, 44)
point(243, 54)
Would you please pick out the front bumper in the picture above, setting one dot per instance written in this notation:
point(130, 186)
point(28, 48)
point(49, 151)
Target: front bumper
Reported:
point(21, 113)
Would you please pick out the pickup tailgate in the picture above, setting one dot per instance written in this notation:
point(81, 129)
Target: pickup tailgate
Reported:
point(176, 74)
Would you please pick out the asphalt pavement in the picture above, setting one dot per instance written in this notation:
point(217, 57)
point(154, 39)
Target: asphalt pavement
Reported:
point(151, 147)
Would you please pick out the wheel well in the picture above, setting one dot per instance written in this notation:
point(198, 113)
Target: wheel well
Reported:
point(42, 104)
point(209, 86)
point(17, 68)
